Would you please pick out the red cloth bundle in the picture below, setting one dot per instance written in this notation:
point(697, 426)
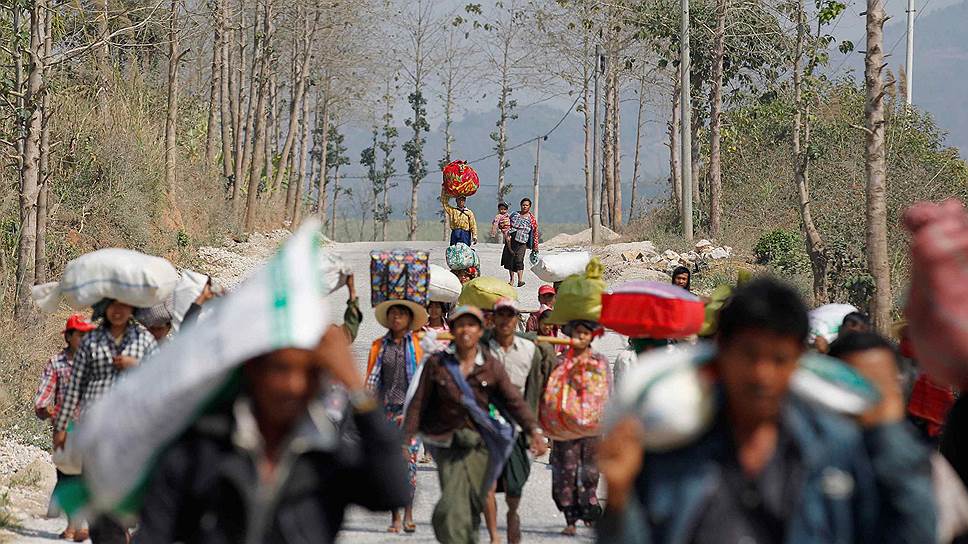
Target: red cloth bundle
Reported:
point(931, 403)
point(649, 309)
point(460, 179)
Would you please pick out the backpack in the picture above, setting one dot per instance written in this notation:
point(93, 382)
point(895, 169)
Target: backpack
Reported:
point(574, 400)
point(400, 274)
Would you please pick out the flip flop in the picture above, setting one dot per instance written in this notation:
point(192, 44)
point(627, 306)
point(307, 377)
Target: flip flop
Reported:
point(410, 527)
point(520, 284)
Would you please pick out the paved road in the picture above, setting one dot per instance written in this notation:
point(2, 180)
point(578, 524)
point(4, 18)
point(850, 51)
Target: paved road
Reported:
point(541, 521)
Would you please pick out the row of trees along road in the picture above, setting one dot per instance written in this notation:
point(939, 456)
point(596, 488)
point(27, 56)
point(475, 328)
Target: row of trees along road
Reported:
point(118, 118)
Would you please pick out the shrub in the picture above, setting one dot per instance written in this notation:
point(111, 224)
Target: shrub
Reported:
point(781, 250)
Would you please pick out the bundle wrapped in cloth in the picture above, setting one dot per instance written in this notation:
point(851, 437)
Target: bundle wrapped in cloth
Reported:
point(124, 275)
point(825, 320)
point(483, 292)
point(673, 393)
point(460, 179)
point(650, 309)
point(123, 434)
point(580, 296)
point(444, 285)
point(558, 266)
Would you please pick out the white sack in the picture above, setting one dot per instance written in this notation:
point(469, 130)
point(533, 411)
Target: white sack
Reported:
point(558, 266)
point(826, 320)
point(120, 274)
point(445, 286)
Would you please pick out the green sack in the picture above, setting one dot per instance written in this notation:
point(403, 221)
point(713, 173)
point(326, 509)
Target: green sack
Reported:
point(580, 296)
point(484, 291)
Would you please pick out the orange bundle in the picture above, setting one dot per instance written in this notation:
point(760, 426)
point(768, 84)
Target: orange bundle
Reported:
point(460, 179)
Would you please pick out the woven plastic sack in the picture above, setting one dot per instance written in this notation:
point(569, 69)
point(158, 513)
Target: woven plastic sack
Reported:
point(574, 400)
point(558, 266)
point(401, 274)
point(444, 285)
point(580, 296)
point(128, 276)
point(826, 320)
point(460, 179)
point(461, 256)
point(483, 292)
point(650, 309)
point(124, 434)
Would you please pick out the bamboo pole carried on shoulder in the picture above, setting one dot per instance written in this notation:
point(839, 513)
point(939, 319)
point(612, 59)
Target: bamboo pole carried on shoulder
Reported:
point(555, 340)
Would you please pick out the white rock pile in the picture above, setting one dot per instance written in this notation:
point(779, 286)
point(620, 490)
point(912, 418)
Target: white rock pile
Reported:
point(642, 260)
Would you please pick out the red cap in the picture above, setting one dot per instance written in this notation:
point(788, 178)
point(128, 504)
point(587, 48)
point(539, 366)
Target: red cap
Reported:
point(546, 290)
point(77, 322)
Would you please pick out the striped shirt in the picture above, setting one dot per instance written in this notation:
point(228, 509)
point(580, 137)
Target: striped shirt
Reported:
point(94, 371)
point(53, 383)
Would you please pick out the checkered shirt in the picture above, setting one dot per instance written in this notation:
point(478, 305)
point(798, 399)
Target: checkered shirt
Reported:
point(94, 370)
point(53, 383)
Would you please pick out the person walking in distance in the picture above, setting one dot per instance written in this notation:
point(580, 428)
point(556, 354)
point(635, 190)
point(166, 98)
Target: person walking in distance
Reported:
point(501, 223)
point(115, 346)
point(463, 224)
point(49, 399)
point(391, 366)
point(464, 407)
point(522, 236)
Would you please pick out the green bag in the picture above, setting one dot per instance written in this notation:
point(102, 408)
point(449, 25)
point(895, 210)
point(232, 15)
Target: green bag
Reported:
point(580, 296)
point(484, 291)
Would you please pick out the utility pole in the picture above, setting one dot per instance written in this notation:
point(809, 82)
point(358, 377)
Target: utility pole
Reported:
point(596, 187)
point(909, 65)
point(685, 124)
point(537, 176)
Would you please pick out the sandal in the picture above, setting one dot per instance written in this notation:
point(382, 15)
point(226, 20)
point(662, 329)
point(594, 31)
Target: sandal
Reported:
point(520, 284)
point(570, 530)
point(410, 527)
point(393, 529)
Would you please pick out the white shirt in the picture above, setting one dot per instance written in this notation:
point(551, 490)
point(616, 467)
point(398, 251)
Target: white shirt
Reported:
point(517, 359)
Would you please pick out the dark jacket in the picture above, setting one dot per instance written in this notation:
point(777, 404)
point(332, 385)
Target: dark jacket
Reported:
point(857, 486)
point(206, 490)
point(436, 408)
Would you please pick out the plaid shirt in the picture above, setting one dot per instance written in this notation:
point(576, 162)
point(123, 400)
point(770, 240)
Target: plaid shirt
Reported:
point(94, 370)
point(53, 383)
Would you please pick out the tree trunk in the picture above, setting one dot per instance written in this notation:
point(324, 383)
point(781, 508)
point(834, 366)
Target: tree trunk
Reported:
point(215, 88)
point(40, 256)
point(815, 246)
point(537, 180)
point(238, 127)
point(675, 171)
point(260, 128)
point(272, 130)
point(225, 95)
point(876, 169)
point(715, 121)
point(171, 117)
point(323, 125)
point(332, 213)
point(638, 148)
point(608, 150)
point(294, 109)
point(587, 133)
point(295, 185)
point(696, 161)
point(30, 172)
point(502, 137)
point(102, 55)
point(616, 149)
point(255, 82)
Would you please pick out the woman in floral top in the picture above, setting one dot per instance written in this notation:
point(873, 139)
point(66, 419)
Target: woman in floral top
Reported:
point(574, 464)
point(522, 235)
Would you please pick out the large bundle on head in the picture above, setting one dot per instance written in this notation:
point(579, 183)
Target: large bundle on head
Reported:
point(483, 292)
point(826, 320)
point(558, 266)
point(124, 434)
point(650, 309)
point(444, 285)
point(580, 296)
point(119, 274)
point(460, 179)
point(401, 274)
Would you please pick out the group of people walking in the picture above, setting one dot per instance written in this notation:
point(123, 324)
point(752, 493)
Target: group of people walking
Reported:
point(299, 434)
